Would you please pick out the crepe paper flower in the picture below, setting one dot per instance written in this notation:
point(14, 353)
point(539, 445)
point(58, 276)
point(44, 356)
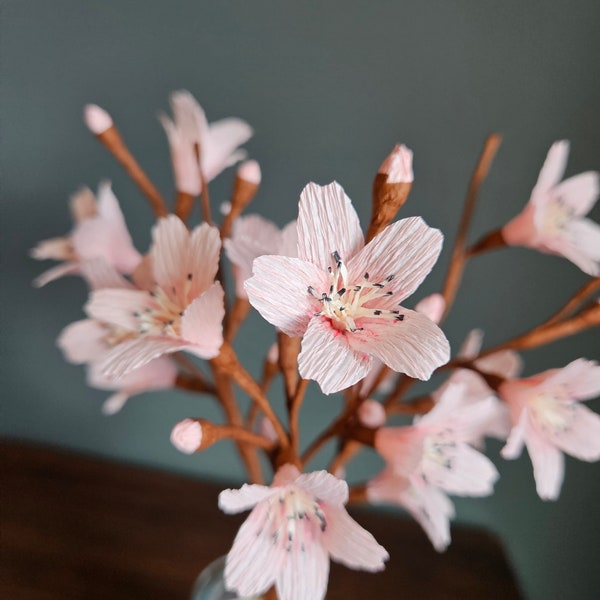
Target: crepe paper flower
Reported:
point(437, 447)
point(253, 236)
point(189, 133)
point(294, 528)
point(397, 167)
point(344, 297)
point(183, 311)
point(88, 341)
point(371, 413)
point(548, 417)
point(552, 221)
point(100, 232)
point(427, 504)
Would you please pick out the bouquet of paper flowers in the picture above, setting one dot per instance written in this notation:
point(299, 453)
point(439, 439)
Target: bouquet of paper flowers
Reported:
point(338, 299)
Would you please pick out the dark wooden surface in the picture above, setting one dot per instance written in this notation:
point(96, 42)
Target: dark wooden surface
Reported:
point(78, 527)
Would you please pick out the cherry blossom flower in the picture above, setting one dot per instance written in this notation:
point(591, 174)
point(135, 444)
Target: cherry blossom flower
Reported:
point(552, 221)
point(548, 417)
point(253, 236)
point(99, 232)
point(182, 310)
point(218, 143)
point(344, 297)
point(294, 528)
point(427, 504)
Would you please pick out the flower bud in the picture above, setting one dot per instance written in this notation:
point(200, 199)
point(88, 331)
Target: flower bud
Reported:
point(371, 414)
point(96, 119)
point(187, 436)
point(398, 165)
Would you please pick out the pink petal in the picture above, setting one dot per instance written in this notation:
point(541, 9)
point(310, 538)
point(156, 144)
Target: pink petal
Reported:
point(581, 437)
point(220, 143)
point(327, 223)
point(59, 248)
point(327, 358)
point(105, 235)
point(415, 345)
point(548, 464)
point(387, 487)
point(294, 583)
point(516, 438)
point(582, 245)
point(553, 169)
point(406, 249)
point(472, 344)
point(522, 230)
point(82, 341)
point(69, 268)
point(118, 306)
point(278, 290)
point(113, 404)
point(432, 306)
point(461, 470)
point(203, 256)
point(286, 475)
point(288, 243)
point(402, 448)
point(506, 363)
point(132, 354)
point(581, 378)
point(235, 501)
point(579, 192)
point(324, 486)
point(372, 414)
point(100, 274)
point(83, 205)
point(202, 322)
point(350, 544)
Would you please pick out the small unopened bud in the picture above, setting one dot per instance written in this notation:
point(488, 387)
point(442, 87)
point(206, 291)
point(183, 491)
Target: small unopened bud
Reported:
point(372, 414)
point(250, 171)
point(96, 119)
point(398, 165)
point(266, 429)
point(187, 436)
point(390, 188)
point(432, 306)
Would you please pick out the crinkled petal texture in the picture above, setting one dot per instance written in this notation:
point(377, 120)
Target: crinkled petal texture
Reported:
point(293, 529)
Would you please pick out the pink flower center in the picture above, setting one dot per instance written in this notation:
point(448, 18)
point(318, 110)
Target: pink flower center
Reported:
point(556, 216)
point(345, 302)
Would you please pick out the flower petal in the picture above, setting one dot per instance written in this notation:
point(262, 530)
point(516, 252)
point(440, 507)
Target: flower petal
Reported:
point(406, 250)
point(582, 245)
point(402, 448)
point(202, 322)
point(68, 268)
point(552, 170)
point(579, 192)
point(415, 346)
point(327, 222)
point(324, 486)
point(278, 290)
point(548, 464)
point(581, 438)
point(516, 438)
point(580, 377)
point(222, 139)
point(327, 358)
point(118, 306)
point(249, 495)
point(350, 544)
point(100, 274)
point(81, 341)
point(304, 575)
point(113, 404)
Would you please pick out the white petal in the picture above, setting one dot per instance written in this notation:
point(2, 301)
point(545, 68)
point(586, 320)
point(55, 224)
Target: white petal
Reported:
point(406, 249)
point(101, 274)
point(278, 290)
point(516, 438)
point(582, 245)
point(580, 377)
point(113, 404)
point(235, 501)
point(118, 306)
point(68, 268)
point(579, 192)
point(304, 575)
point(548, 465)
point(220, 143)
point(553, 168)
point(327, 223)
point(327, 358)
point(581, 438)
point(324, 486)
point(81, 341)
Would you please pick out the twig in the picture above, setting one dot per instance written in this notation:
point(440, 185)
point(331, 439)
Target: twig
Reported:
point(184, 203)
point(294, 412)
point(575, 301)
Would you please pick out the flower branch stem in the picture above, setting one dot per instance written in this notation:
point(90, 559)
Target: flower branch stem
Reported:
point(243, 436)
point(491, 241)
point(192, 383)
point(418, 406)
point(111, 139)
point(237, 315)
point(227, 362)
point(184, 203)
point(459, 253)
point(403, 384)
point(591, 287)
point(294, 412)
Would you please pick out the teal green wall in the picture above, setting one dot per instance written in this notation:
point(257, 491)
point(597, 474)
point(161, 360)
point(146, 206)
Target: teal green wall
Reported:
point(329, 87)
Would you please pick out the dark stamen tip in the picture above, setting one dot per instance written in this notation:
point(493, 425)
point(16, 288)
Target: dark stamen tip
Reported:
point(190, 276)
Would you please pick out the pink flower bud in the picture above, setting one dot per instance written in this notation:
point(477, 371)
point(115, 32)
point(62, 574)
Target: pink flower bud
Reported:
point(371, 414)
point(398, 165)
point(250, 171)
point(187, 436)
point(96, 119)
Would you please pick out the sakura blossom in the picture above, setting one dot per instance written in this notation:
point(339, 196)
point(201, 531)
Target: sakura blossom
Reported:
point(295, 526)
point(253, 236)
point(182, 309)
point(344, 297)
point(553, 219)
point(189, 133)
point(548, 417)
point(100, 232)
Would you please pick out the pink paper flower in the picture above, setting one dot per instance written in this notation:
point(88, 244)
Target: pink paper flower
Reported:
point(253, 236)
point(344, 297)
point(427, 504)
point(295, 526)
point(218, 142)
point(552, 221)
point(437, 447)
point(548, 417)
point(100, 232)
point(183, 309)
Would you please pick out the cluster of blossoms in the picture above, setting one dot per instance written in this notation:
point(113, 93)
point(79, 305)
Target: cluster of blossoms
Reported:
point(338, 300)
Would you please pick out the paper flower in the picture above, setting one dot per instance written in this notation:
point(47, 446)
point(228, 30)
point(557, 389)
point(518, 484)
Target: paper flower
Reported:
point(218, 143)
point(100, 232)
point(548, 417)
point(184, 308)
point(344, 297)
point(552, 220)
point(294, 528)
point(253, 236)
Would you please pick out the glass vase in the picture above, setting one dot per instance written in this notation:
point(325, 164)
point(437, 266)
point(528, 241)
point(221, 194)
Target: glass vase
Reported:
point(210, 584)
